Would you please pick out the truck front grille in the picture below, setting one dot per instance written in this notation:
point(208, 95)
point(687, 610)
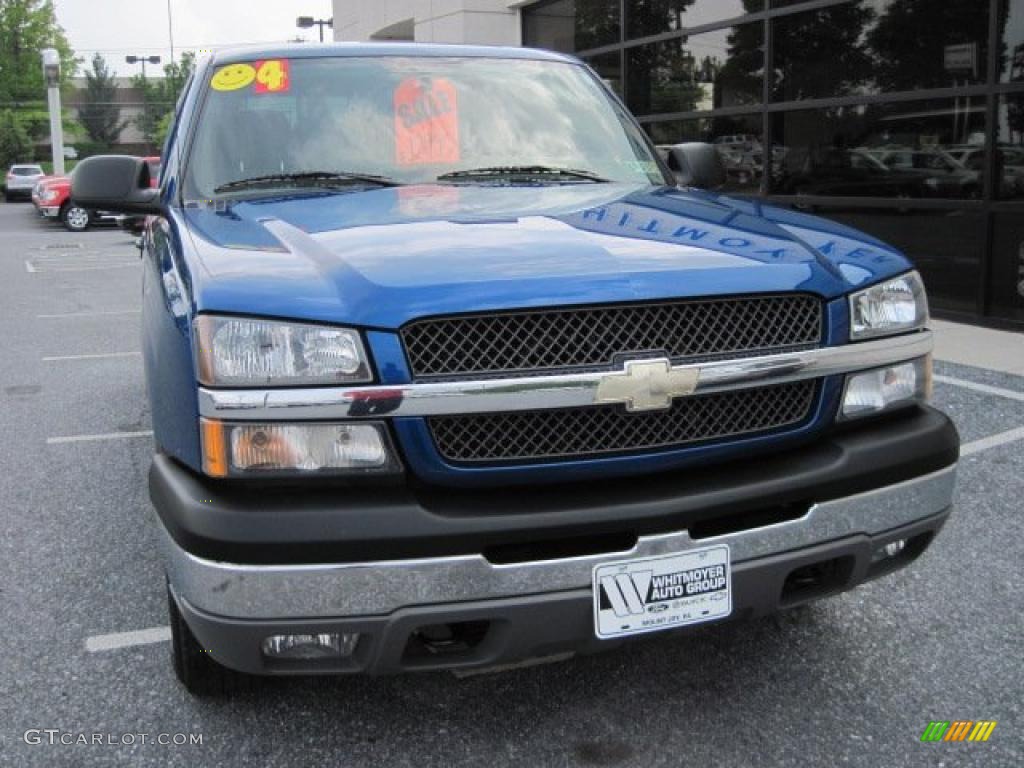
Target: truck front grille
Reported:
point(546, 340)
point(609, 429)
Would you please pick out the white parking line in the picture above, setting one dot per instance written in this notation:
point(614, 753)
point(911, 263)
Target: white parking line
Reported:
point(100, 313)
point(29, 267)
point(93, 438)
point(992, 441)
point(127, 639)
point(83, 269)
point(986, 388)
point(103, 356)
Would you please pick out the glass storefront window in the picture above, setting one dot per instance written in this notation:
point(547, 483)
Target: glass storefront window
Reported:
point(1007, 284)
point(609, 67)
point(1011, 30)
point(707, 71)
point(919, 149)
point(943, 245)
point(571, 25)
point(737, 139)
point(897, 151)
point(654, 17)
point(879, 46)
point(1010, 147)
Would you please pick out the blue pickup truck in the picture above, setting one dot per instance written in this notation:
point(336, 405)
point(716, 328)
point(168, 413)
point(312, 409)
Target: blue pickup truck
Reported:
point(449, 369)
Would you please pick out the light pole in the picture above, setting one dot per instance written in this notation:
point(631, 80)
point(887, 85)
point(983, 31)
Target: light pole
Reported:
point(170, 29)
point(51, 71)
point(142, 59)
point(306, 22)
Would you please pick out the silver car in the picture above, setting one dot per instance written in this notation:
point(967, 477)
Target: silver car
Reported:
point(21, 179)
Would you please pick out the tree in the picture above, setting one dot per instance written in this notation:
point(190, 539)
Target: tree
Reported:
point(162, 129)
point(26, 28)
point(662, 77)
point(740, 80)
point(15, 145)
point(911, 36)
point(159, 96)
point(100, 113)
point(821, 53)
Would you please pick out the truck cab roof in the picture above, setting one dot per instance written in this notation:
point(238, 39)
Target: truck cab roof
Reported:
point(244, 53)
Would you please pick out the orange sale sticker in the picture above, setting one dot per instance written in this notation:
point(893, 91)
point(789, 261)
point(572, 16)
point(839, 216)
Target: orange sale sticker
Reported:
point(272, 76)
point(426, 122)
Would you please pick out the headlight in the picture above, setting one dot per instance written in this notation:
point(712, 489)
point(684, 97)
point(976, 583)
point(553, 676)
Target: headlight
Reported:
point(250, 450)
point(894, 306)
point(49, 194)
point(882, 389)
point(249, 352)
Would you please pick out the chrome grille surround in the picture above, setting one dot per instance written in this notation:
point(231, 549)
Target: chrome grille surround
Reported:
point(551, 340)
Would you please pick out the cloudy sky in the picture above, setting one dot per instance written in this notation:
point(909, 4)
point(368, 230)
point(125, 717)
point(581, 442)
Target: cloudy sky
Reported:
point(116, 28)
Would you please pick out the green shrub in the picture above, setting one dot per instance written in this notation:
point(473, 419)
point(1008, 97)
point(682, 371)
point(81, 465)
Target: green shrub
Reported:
point(15, 145)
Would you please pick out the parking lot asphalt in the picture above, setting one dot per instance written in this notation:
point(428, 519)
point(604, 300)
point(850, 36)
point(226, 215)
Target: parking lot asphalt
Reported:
point(851, 680)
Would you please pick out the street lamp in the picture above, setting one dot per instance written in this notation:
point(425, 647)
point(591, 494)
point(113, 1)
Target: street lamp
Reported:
point(51, 71)
point(306, 22)
point(142, 60)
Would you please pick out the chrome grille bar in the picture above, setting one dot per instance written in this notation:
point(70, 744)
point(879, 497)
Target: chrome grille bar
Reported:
point(544, 392)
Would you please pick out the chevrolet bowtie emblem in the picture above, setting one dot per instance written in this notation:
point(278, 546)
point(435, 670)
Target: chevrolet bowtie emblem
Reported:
point(647, 385)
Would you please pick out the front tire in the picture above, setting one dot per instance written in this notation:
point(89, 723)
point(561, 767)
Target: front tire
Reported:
point(75, 217)
point(193, 665)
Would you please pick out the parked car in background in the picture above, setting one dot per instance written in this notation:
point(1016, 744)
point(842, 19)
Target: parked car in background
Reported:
point(20, 181)
point(52, 198)
point(1011, 161)
point(742, 141)
point(155, 166)
point(943, 175)
point(845, 173)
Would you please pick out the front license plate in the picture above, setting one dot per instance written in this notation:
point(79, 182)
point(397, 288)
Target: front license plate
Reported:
point(636, 596)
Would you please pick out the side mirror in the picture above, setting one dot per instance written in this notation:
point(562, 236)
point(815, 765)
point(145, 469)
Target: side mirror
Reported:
point(115, 183)
point(700, 165)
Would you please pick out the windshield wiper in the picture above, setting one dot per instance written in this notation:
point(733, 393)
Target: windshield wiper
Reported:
point(535, 171)
point(326, 178)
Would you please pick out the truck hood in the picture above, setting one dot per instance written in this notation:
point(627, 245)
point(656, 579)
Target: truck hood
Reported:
point(380, 257)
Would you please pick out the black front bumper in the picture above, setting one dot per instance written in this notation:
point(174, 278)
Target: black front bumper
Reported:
point(222, 521)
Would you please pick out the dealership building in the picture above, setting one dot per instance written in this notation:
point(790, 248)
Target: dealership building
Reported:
point(904, 118)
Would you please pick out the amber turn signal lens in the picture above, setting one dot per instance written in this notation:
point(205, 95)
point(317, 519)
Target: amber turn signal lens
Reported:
point(215, 455)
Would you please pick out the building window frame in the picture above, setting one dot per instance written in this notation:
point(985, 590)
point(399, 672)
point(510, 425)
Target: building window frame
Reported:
point(990, 91)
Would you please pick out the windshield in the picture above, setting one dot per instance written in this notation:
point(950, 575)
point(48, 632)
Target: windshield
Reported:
point(411, 120)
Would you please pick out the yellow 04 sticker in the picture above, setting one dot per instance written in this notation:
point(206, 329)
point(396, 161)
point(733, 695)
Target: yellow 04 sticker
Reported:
point(232, 77)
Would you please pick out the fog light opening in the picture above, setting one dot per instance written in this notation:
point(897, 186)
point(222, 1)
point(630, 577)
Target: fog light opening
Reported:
point(889, 550)
point(893, 548)
point(896, 553)
point(328, 645)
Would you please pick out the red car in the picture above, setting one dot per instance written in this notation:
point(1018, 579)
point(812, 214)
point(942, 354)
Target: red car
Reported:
point(154, 170)
point(52, 198)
